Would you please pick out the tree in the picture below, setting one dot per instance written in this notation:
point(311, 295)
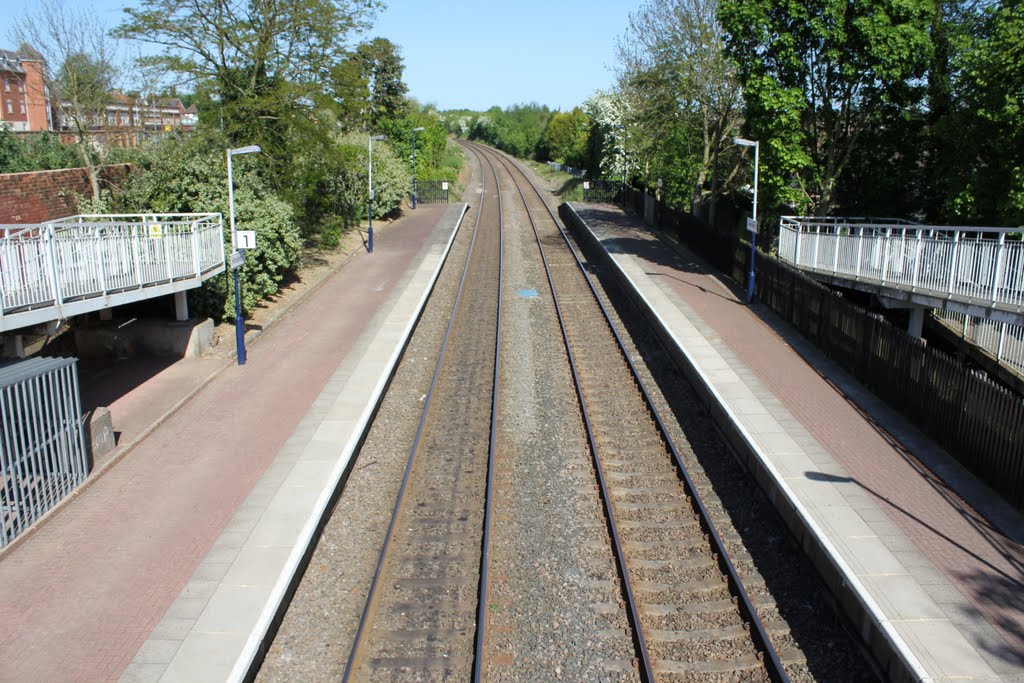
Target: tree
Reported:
point(814, 74)
point(382, 69)
point(350, 90)
point(565, 138)
point(683, 90)
point(80, 72)
point(269, 61)
point(987, 125)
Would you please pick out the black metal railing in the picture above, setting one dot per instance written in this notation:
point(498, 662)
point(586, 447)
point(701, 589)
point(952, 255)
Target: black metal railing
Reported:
point(432, 191)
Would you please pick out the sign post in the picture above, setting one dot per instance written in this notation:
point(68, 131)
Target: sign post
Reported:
point(235, 240)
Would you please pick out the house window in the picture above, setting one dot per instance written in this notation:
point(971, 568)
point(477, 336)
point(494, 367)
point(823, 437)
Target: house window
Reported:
point(7, 84)
point(22, 106)
point(21, 86)
point(10, 109)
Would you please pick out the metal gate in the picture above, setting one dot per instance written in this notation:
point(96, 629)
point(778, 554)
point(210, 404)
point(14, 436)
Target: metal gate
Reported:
point(42, 446)
point(432, 191)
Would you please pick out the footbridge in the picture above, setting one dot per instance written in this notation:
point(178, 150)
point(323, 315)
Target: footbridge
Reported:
point(972, 277)
point(53, 271)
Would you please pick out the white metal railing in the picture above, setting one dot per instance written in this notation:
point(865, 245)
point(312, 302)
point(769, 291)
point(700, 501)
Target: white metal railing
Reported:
point(92, 255)
point(1003, 341)
point(967, 263)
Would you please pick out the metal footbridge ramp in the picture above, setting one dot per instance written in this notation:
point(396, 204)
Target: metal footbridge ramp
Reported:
point(973, 277)
point(52, 271)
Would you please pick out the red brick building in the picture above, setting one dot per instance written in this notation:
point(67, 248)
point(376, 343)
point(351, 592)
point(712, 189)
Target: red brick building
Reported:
point(24, 102)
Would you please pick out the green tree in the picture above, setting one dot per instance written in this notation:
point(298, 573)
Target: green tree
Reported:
point(565, 138)
point(350, 90)
point(518, 130)
point(986, 178)
point(382, 68)
point(814, 76)
point(268, 62)
point(684, 98)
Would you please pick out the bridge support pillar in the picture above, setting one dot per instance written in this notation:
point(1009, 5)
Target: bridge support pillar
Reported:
point(915, 326)
point(14, 346)
point(181, 306)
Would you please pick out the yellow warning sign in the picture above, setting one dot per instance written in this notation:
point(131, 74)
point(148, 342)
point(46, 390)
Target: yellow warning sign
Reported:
point(156, 231)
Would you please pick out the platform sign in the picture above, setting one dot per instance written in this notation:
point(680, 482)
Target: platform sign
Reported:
point(237, 259)
point(245, 239)
point(752, 225)
point(156, 231)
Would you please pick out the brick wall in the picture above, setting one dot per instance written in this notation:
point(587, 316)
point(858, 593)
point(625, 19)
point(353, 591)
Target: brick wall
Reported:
point(40, 196)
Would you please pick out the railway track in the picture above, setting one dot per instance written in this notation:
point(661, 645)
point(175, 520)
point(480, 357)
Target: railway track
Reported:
point(689, 612)
point(420, 614)
point(582, 551)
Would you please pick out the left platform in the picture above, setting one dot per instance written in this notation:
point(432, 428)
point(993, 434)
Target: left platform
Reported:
point(167, 566)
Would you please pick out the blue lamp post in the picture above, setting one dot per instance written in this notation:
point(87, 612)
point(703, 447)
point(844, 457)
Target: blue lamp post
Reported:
point(752, 224)
point(369, 232)
point(414, 131)
point(239, 321)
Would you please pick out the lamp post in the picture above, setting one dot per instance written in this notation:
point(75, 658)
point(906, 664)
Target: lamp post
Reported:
point(752, 224)
point(414, 131)
point(239, 321)
point(369, 232)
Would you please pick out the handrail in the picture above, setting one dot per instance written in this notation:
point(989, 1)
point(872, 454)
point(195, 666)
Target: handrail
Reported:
point(967, 264)
point(91, 255)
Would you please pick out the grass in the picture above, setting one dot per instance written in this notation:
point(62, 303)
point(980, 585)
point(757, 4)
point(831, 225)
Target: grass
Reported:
point(570, 188)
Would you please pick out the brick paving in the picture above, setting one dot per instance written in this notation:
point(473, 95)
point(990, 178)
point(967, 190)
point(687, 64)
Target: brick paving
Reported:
point(81, 595)
point(982, 562)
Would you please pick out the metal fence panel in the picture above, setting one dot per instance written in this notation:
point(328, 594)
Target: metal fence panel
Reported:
point(432, 191)
point(92, 255)
point(42, 445)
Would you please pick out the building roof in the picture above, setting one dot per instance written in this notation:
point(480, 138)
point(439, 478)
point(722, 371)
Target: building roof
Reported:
point(10, 62)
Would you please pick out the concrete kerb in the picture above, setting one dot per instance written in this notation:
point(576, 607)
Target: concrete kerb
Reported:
point(251, 657)
point(98, 473)
point(875, 630)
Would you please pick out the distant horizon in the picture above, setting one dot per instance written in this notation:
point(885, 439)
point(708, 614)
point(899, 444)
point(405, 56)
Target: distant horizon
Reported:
point(454, 62)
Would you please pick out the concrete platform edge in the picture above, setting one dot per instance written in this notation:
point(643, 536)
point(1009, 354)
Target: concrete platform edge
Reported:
point(255, 646)
point(899, 663)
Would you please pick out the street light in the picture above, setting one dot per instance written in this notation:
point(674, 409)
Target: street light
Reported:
point(414, 131)
point(369, 232)
point(752, 224)
point(239, 322)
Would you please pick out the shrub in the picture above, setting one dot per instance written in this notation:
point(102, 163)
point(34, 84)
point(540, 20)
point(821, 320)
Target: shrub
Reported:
point(181, 176)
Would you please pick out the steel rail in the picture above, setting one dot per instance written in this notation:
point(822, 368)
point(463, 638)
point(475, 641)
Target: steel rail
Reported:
point(481, 615)
point(773, 663)
point(373, 595)
point(647, 671)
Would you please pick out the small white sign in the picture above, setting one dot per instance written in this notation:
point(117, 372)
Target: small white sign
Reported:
point(237, 259)
point(752, 225)
point(444, 185)
point(155, 231)
point(245, 239)
point(586, 184)
point(659, 183)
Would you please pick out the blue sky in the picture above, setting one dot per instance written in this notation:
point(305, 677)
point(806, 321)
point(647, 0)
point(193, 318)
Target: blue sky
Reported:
point(479, 54)
point(474, 55)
